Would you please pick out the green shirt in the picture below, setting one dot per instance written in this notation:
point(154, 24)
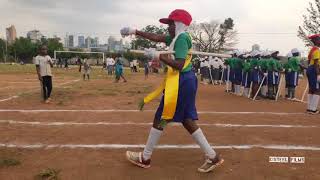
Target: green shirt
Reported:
point(246, 66)
point(273, 65)
point(254, 63)
point(232, 63)
point(237, 63)
point(181, 47)
point(263, 63)
point(294, 64)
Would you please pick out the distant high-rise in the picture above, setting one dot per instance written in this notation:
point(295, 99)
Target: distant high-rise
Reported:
point(114, 45)
point(34, 35)
point(11, 34)
point(256, 47)
point(95, 42)
point(81, 41)
point(91, 42)
point(70, 41)
point(88, 42)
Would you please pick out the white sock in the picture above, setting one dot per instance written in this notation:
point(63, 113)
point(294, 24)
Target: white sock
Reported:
point(264, 90)
point(315, 102)
point(238, 89)
point(201, 140)
point(246, 92)
point(153, 139)
point(309, 101)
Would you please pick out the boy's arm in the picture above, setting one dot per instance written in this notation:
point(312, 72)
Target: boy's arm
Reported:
point(50, 61)
point(152, 36)
point(176, 64)
point(38, 72)
point(127, 31)
point(37, 62)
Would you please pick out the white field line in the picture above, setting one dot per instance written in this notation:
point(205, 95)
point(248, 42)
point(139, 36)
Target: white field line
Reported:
point(7, 99)
point(32, 90)
point(137, 111)
point(36, 123)
point(165, 146)
point(5, 87)
point(26, 82)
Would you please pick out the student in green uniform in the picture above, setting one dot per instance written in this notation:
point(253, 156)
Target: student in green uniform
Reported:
point(238, 73)
point(246, 78)
point(255, 72)
point(263, 63)
point(293, 73)
point(286, 73)
point(273, 70)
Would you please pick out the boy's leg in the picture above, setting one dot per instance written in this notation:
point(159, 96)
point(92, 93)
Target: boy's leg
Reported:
point(49, 86)
point(143, 159)
point(213, 160)
point(154, 136)
point(199, 137)
point(293, 92)
point(315, 102)
point(309, 102)
point(44, 89)
point(124, 79)
point(84, 77)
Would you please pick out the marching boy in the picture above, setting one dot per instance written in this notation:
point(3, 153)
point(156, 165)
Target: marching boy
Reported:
point(179, 91)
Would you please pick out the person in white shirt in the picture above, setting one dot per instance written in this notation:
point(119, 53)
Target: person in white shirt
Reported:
point(202, 69)
point(131, 66)
point(207, 70)
point(110, 65)
point(44, 64)
point(215, 69)
point(135, 65)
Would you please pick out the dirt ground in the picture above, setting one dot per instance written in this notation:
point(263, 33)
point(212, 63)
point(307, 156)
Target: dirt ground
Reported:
point(227, 120)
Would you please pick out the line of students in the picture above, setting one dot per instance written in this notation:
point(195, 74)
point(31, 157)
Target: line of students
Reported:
point(210, 70)
point(261, 71)
point(259, 74)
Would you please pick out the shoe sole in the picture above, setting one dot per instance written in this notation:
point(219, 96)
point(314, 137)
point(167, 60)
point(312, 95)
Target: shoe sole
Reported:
point(136, 163)
point(212, 167)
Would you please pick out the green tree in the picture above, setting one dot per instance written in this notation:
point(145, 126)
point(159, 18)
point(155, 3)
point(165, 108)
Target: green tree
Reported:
point(311, 22)
point(214, 36)
point(2, 49)
point(23, 49)
point(54, 45)
point(140, 43)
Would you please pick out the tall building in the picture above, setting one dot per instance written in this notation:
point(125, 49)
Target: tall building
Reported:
point(71, 41)
point(88, 42)
point(115, 45)
point(256, 47)
point(34, 35)
point(91, 42)
point(95, 42)
point(81, 41)
point(11, 34)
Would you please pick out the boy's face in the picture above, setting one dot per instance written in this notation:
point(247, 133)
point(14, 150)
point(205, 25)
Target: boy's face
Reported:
point(316, 41)
point(172, 29)
point(44, 50)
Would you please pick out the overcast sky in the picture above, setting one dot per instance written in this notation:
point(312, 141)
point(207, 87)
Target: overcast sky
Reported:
point(272, 24)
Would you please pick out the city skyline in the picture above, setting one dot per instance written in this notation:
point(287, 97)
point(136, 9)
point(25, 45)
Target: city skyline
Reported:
point(272, 25)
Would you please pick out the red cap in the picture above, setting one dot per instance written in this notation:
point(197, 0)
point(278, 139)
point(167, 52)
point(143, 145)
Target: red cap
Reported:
point(178, 15)
point(314, 36)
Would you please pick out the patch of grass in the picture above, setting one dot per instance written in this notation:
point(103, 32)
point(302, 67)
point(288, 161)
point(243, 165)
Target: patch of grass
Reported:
point(9, 162)
point(48, 174)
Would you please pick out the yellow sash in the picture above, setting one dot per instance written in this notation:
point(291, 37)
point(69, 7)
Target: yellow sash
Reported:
point(171, 86)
